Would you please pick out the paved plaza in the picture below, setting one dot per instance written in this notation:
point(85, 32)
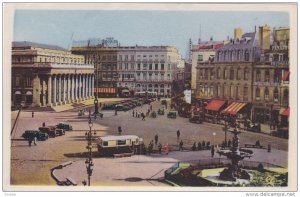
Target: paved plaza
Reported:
point(31, 165)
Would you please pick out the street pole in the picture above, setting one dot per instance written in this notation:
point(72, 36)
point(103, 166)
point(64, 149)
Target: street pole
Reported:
point(89, 161)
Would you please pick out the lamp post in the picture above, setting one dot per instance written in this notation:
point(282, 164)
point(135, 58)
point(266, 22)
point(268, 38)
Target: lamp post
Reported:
point(89, 161)
point(214, 134)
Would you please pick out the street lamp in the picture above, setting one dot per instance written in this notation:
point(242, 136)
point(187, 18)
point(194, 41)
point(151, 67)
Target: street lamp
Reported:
point(89, 161)
point(214, 134)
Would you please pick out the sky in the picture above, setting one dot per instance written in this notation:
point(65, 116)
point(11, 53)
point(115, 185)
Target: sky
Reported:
point(173, 28)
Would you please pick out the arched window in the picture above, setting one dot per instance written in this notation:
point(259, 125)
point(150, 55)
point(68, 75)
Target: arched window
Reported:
point(238, 74)
point(225, 73)
point(257, 93)
point(219, 73)
point(276, 95)
point(266, 94)
point(246, 55)
point(267, 75)
point(285, 97)
point(246, 74)
point(225, 56)
point(219, 90)
point(238, 55)
point(258, 75)
point(230, 56)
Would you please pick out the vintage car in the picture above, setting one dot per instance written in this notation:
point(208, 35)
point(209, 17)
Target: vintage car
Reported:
point(254, 127)
point(31, 134)
point(161, 111)
point(50, 130)
point(163, 101)
point(196, 119)
point(119, 107)
point(109, 145)
point(172, 114)
point(60, 132)
point(64, 126)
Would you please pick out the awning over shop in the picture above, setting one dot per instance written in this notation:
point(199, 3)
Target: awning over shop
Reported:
point(285, 75)
point(234, 108)
point(286, 112)
point(215, 104)
point(105, 90)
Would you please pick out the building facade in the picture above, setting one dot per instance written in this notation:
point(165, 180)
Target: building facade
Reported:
point(201, 53)
point(46, 75)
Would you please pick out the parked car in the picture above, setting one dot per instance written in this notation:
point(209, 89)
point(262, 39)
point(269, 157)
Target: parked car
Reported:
point(30, 134)
point(50, 130)
point(161, 111)
point(60, 132)
point(64, 126)
point(255, 127)
point(119, 107)
point(163, 101)
point(196, 119)
point(109, 107)
point(172, 114)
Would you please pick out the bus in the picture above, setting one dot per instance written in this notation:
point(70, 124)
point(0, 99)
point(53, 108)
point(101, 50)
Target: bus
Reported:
point(117, 144)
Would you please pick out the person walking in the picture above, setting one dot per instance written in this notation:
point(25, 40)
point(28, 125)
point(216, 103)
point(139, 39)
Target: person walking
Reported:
point(116, 112)
point(167, 147)
point(181, 145)
point(132, 113)
point(32, 114)
point(156, 139)
point(199, 145)
point(150, 107)
point(178, 134)
point(44, 124)
point(29, 141)
point(34, 141)
point(120, 130)
point(212, 151)
point(136, 114)
point(143, 116)
point(159, 148)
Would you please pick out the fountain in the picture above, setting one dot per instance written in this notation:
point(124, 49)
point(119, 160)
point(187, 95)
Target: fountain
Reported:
point(235, 154)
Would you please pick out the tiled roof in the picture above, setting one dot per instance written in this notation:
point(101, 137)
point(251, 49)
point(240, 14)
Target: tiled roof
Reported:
point(242, 44)
point(36, 45)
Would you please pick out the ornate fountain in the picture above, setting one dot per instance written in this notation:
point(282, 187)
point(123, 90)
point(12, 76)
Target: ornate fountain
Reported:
point(235, 154)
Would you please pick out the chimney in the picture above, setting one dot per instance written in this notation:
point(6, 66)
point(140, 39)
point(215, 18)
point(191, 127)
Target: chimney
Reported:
point(264, 37)
point(238, 32)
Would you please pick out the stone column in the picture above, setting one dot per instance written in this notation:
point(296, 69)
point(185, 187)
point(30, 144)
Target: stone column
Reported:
point(68, 89)
point(59, 90)
point(80, 88)
point(65, 90)
point(83, 87)
point(91, 93)
point(54, 90)
point(49, 89)
point(71, 88)
point(87, 87)
point(36, 91)
point(93, 86)
point(76, 88)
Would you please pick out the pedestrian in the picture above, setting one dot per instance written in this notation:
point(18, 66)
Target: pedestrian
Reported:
point(269, 148)
point(29, 141)
point(150, 107)
point(181, 145)
point(199, 146)
point(207, 145)
point(178, 134)
point(136, 114)
point(212, 151)
point(34, 140)
point(116, 112)
point(132, 113)
point(156, 139)
point(203, 144)
point(159, 148)
point(32, 114)
point(194, 148)
point(44, 124)
point(120, 130)
point(167, 147)
point(229, 143)
point(143, 116)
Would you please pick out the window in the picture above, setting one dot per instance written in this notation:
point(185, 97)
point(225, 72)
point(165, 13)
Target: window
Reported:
point(144, 76)
point(150, 66)
point(120, 57)
point(17, 81)
point(267, 94)
point(104, 143)
point(276, 95)
point(212, 74)
point(126, 57)
point(245, 93)
point(257, 75)
point(156, 66)
point(238, 75)
point(132, 66)
point(156, 76)
point(237, 91)
point(257, 93)
point(169, 67)
point(144, 66)
point(246, 74)
point(126, 66)
point(120, 66)
point(121, 142)
point(247, 56)
point(285, 97)
point(231, 91)
point(162, 67)
point(267, 75)
point(138, 76)
point(206, 74)
point(231, 74)
point(219, 73)
point(132, 57)
point(200, 58)
point(225, 73)
point(169, 77)
point(162, 76)
point(139, 66)
point(144, 56)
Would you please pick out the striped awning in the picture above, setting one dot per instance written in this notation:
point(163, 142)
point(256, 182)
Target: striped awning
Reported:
point(285, 75)
point(234, 108)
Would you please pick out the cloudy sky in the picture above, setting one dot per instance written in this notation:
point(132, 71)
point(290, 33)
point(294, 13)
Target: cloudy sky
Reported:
point(172, 28)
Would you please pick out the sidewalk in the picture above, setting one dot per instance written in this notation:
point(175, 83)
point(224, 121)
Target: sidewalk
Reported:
point(85, 103)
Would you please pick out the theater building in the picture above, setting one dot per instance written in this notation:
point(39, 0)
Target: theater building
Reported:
point(46, 75)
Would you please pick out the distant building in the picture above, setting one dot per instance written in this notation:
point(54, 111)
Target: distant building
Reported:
point(202, 53)
point(47, 75)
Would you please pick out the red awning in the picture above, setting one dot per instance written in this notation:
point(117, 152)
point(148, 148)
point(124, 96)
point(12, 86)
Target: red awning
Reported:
point(215, 104)
point(285, 75)
point(234, 108)
point(105, 90)
point(286, 112)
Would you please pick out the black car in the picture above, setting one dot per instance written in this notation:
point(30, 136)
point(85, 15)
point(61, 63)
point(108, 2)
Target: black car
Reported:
point(64, 126)
point(31, 134)
point(196, 119)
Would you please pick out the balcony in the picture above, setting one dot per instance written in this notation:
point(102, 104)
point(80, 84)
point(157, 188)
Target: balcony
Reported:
point(280, 63)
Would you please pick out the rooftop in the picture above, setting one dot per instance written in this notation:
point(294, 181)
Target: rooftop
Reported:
point(36, 45)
